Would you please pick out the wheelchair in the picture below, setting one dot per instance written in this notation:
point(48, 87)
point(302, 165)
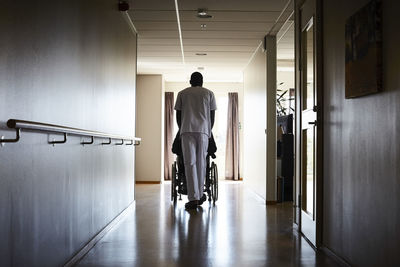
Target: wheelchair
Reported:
point(178, 179)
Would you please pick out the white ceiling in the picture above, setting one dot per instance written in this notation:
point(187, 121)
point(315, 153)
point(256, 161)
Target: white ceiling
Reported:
point(230, 38)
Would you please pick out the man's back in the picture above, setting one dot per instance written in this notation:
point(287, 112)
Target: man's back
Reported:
point(195, 103)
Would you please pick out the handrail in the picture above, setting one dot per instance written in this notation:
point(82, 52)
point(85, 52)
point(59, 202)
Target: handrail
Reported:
point(52, 128)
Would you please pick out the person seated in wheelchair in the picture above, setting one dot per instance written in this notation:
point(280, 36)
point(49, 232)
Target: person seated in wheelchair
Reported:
point(180, 166)
point(195, 113)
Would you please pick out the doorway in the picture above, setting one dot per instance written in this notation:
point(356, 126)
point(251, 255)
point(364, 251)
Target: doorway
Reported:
point(309, 126)
point(285, 111)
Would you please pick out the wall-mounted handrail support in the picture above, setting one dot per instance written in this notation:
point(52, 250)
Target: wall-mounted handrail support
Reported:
point(59, 142)
point(15, 140)
point(120, 144)
point(18, 125)
point(107, 143)
point(130, 143)
point(88, 143)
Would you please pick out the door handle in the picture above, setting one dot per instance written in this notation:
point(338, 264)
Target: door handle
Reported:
point(312, 122)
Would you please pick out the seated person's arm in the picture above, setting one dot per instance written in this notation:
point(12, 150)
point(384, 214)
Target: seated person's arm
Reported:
point(212, 118)
point(178, 118)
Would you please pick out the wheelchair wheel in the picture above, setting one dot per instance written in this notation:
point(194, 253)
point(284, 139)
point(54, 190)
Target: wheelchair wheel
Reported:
point(214, 182)
point(173, 183)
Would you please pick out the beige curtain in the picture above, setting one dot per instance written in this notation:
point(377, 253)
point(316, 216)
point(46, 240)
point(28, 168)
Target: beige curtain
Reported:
point(232, 139)
point(168, 134)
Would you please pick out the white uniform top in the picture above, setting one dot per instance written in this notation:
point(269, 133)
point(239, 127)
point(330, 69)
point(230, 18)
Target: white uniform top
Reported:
point(195, 104)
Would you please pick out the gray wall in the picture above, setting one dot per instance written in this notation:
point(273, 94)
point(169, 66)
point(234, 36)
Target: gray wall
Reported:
point(70, 63)
point(361, 148)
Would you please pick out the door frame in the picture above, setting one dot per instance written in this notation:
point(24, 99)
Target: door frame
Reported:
point(317, 20)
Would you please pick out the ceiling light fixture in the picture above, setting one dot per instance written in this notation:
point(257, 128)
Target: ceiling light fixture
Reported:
point(203, 14)
point(201, 54)
point(180, 31)
point(203, 26)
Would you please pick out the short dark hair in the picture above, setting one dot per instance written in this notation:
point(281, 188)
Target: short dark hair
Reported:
point(196, 79)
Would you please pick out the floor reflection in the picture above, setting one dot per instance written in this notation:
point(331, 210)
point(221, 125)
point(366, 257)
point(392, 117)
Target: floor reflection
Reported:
point(239, 230)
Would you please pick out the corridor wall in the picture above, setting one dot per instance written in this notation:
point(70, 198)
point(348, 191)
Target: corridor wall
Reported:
point(254, 88)
point(70, 63)
point(361, 215)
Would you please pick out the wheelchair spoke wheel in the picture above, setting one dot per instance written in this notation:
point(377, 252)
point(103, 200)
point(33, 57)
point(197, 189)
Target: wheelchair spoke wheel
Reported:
point(173, 182)
point(216, 182)
point(214, 185)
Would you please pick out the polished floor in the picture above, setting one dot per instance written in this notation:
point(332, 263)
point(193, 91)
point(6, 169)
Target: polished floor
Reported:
point(239, 230)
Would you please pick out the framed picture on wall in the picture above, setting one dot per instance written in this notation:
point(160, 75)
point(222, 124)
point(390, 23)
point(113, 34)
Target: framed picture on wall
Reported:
point(363, 39)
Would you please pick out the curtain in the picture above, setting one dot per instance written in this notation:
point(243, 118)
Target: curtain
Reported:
point(168, 134)
point(232, 139)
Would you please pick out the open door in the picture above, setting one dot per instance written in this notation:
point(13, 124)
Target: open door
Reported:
point(310, 134)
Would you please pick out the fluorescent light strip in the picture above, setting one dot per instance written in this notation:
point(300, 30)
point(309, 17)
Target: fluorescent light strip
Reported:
point(280, 15)
point(280, 38)
point(273, 26)
point(180, 31)
point(130, 22)
point(252, 56)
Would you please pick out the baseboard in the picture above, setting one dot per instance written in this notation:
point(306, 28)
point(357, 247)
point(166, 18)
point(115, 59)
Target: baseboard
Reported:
point(148, 182)
point(271, 202)
point(84, 250)
point(334, 256)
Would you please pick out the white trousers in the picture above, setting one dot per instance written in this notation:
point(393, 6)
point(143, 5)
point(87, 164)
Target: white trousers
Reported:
point(194, 148)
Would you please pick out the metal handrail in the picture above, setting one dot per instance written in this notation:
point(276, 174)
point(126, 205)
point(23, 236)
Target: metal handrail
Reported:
point(52, 128)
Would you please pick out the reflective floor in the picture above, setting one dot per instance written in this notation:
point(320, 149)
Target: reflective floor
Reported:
point(239, 230)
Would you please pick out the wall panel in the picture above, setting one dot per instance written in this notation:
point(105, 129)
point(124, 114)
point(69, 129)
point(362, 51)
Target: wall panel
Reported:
point(70, 63)
point(361, 148)
point(254, 84)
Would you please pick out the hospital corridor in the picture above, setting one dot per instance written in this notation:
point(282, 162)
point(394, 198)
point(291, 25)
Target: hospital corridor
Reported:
point(113, 112)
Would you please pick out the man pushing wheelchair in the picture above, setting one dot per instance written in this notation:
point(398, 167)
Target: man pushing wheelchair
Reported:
point(195, 114)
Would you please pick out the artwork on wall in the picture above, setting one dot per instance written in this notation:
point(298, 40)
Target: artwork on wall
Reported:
point(364, 51)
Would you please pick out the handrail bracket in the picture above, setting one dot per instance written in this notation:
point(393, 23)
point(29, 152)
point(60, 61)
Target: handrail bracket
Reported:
point(107, 143)
point(59, 142)
point(88, 143)
point(15, 140)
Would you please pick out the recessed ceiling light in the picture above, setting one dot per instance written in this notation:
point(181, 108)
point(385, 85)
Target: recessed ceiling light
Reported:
point(201, 54)
point(203, 14)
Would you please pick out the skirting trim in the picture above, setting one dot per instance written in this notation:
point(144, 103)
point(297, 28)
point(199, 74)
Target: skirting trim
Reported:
point(148, 182)
point(333, 256)
point(85, 249)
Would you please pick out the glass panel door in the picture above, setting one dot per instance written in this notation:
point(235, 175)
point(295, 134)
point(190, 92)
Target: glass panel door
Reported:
point(308, 122)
